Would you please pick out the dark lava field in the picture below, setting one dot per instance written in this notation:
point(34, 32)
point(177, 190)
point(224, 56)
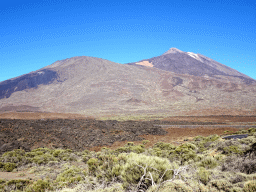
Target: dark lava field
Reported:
point(79, 134)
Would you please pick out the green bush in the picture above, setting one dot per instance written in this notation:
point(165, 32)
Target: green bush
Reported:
point(15, 153)
point(2, 181)
point(113, 187)
point(40, 156)
point(16, 156)
point(232, 149)
point(71, 175)
point(40, 151)
point(39, 186)
point(58, 152)
point(161, 149)
point(144, 142)
point(221, 185)
point(159, 152)
point(229, 147)
point(204, 175)
point(9, 167)
point(63, 154)
point(175, 186)
point(19, 184)
point(2, 165)
point(251, 131)
point(137, 149)
point(203, 188)
point(86, 155)
point(164, 146)
point(130, 147)
point(204, 143)
point(132, 171)
point(236, 189)
point(248, 141)
point(212, 138)
point(105, 165)
point(208, 162)
point(93, 164)
point(184, 153)
point(33, 154)
point(43, 159)
point(250, 186)
point(117, 168)
point(243, 131)
point(198, 138)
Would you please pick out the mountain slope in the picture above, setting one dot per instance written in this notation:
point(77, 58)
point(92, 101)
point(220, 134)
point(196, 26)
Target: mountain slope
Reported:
point(94, 86)
point(181, 62)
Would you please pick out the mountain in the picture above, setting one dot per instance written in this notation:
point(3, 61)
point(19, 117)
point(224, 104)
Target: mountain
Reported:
point(175, 83)
point(181, 62)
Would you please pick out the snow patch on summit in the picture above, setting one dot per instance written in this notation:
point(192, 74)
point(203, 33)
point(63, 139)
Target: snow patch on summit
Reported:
point(195, 56)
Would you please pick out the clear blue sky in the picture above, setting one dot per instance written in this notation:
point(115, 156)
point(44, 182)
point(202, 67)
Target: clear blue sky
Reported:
point(36, 33)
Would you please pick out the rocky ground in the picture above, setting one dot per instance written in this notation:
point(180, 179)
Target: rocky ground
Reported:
point(88, 133)
point(76, 134)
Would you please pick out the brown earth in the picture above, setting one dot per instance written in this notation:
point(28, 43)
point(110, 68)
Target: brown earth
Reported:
point(18, 175)
point(216, 119)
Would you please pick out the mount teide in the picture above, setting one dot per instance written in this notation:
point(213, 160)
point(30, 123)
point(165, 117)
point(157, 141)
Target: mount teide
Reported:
point(175, 83)
point(181, 62)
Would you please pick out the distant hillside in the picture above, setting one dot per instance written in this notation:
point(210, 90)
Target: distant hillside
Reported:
point(175, 83)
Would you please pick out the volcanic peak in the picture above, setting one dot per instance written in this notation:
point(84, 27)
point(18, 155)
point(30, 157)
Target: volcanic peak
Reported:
point(173, 50)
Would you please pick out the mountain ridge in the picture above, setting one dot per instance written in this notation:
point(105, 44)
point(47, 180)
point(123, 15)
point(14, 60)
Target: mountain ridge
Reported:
point(94, 86)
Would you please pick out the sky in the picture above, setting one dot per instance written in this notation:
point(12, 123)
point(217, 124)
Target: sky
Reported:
point(34, 34)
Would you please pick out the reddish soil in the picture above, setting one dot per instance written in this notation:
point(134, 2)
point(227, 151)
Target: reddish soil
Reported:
point(175, 136)
point(216, 119)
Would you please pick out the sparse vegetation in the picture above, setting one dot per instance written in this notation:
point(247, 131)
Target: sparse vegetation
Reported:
point(137, 163)
point(164, 167)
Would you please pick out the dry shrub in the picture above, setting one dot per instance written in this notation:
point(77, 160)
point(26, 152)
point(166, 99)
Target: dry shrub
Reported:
point(250, 186)
point(238, 163)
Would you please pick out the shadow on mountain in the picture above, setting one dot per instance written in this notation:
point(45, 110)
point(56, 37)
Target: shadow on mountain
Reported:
point(31, 80)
